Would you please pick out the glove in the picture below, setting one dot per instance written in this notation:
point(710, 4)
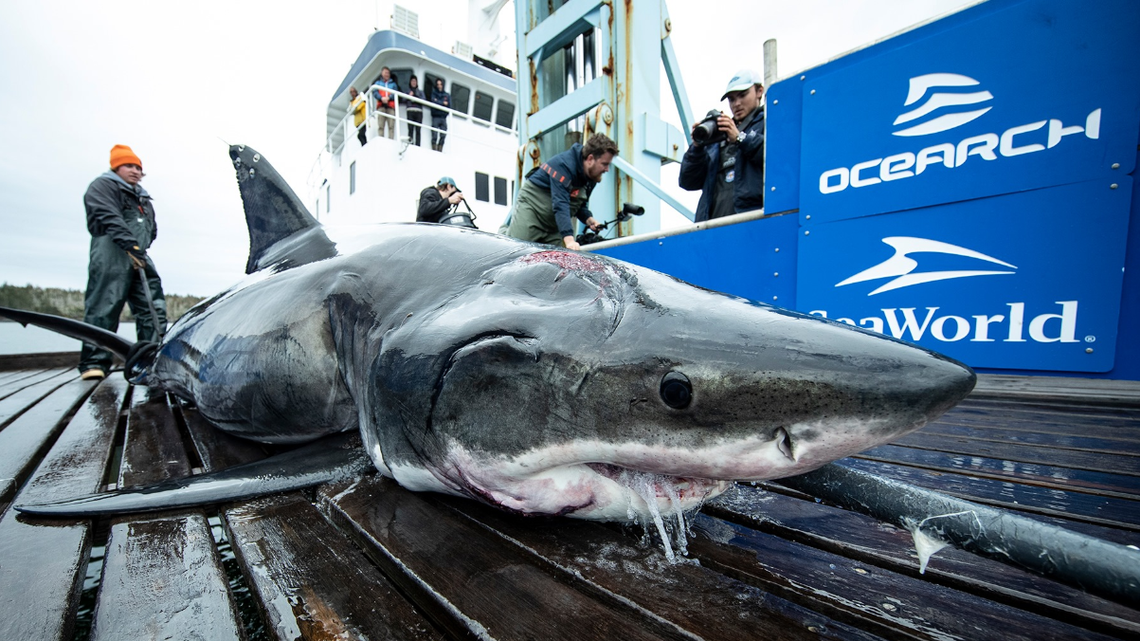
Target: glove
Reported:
point(137, 256)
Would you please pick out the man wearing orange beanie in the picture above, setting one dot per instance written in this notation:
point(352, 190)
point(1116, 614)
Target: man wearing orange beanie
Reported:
point(120, 217)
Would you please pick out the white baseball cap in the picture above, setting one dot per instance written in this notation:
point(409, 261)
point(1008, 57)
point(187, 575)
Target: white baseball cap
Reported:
point(741, 80)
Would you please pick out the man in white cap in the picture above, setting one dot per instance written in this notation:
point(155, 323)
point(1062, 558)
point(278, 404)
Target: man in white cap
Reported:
point(729, 168)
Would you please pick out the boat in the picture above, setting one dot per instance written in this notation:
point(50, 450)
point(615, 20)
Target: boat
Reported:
point(380, 181)
point(364, 558)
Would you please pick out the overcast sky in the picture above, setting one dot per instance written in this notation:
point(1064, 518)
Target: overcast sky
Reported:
point(175, 80)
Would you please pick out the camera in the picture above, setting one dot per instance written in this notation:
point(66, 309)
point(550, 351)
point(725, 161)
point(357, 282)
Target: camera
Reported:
point(706, 133)
point(628, 210)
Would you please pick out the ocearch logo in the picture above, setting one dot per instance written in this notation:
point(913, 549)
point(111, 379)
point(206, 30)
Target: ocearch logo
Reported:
point(948, 110)
point(940, 102)
point(901, 265)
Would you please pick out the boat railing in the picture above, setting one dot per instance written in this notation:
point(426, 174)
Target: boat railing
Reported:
point(346, 129)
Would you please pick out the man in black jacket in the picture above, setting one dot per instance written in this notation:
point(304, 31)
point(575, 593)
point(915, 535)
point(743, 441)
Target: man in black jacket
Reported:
point(437, 199)
point(120, 217)
point(730, 173)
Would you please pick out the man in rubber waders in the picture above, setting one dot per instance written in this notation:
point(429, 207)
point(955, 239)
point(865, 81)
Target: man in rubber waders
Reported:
point(557, 192)
point(120, 217)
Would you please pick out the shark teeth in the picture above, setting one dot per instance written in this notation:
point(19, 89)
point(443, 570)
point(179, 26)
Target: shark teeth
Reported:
point(664, 486)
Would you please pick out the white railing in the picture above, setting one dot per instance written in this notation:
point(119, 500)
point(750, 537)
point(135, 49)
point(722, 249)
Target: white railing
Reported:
point(346, 130)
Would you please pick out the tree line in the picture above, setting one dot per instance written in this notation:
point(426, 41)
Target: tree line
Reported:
point(69, 302)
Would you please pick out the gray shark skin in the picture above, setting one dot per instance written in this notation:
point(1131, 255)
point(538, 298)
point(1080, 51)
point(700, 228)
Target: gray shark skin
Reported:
point(535, 379)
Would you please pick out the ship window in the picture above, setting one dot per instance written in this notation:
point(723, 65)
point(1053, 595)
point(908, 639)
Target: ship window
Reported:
point(505, 117)
point(429, 83)
point(328, 197)
point(484, 105)
point(352, 178)
point(401, 77)
point(460, 97)
point(482, 187)
point(500, 191)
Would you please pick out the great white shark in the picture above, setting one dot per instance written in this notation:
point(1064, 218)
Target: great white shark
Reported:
point(539, 380)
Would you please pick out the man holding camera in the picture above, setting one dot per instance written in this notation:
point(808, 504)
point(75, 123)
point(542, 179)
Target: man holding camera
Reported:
point(436, 199)
point(726, 159)
point(552, 195)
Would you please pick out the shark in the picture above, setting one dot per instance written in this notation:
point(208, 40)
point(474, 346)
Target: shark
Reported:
point(535, 379)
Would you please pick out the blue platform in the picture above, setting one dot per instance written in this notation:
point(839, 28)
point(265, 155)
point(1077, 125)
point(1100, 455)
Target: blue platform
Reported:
point(967, 185)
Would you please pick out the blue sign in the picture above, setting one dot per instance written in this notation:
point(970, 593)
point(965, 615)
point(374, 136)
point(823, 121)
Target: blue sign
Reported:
point(1037, 94)
point(1029, 280)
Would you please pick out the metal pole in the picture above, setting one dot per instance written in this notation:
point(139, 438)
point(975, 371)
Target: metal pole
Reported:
point(1099, 567)
point(769, 62)
point(150, 303)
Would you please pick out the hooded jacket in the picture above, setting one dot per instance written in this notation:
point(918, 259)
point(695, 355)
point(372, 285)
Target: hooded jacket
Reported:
point(122, 211)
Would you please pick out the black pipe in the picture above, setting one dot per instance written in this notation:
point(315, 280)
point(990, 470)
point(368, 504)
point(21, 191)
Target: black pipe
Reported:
point(1106, 569)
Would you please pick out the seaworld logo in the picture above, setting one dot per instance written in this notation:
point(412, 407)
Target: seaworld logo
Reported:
point(919, 86)
point(1011, 325)
point(947, 108)
point(902, 266)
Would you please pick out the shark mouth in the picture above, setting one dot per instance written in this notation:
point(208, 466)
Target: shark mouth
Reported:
point(678, 490)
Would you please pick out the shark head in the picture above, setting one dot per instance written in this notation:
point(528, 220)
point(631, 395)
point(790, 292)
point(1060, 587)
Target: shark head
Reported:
point(565, 383)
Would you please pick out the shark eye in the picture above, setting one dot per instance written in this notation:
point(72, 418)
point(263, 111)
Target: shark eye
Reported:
point(676, 390)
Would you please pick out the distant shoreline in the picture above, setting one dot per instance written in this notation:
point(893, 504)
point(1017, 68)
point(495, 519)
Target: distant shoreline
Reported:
point(69, 302)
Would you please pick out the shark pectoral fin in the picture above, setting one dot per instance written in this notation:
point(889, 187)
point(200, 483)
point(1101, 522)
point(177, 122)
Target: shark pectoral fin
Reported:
point(332, 458)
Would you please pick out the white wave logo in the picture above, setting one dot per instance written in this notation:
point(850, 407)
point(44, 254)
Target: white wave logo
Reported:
point(935, 101)
point(902, 266)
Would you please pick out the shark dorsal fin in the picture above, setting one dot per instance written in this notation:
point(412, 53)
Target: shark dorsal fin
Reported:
point(273, 212)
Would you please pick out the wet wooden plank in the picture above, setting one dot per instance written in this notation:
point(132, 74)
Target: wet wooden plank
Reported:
point(1048, 476)
point(17, 403)
point(865, 539)
point(706, 603)
point(38, 591)
point(1092, 461)
point(23, 440)
point(21, 392)
point(1084, 390)
point(162, 580)
point(1071, 420)
point(13, 376)
point(1127, 442)
point(868, 597)
point(22, 378)
point(152, 449)
point(1112, 512)
point(312, 582)
point(162, 577)
point(469, 581)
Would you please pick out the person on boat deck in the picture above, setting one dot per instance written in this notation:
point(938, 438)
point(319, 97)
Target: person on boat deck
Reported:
point(120, 217)
point(384, 91)
point(730, 174)
point(439, 116)
point(559, 190)
point(415, 110)
point(436, 199)
point(358, 107)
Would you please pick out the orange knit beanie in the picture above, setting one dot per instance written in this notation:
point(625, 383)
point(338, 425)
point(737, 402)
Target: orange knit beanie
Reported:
point(122, 155)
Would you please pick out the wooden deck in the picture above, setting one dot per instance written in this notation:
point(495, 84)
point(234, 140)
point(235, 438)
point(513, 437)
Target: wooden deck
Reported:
point(364, 559)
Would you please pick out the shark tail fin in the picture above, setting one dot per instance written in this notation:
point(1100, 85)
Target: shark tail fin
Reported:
point(273, 213)
point(79, 330)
